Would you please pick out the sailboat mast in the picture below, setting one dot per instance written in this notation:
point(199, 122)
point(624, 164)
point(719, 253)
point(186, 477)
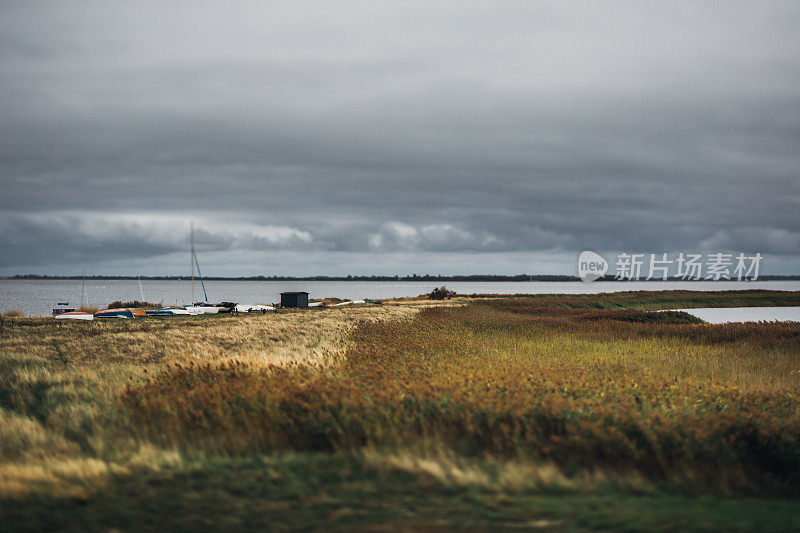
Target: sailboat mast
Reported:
point(200, 275)
point(191, 256)
point(84, 298)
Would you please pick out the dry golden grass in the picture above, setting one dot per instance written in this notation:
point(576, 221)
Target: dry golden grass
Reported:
point(496, 474)
point(549, 395)
point(619, 391)
point(257, 338)
point(58, 379)
point(77, 477)
point(73, 478)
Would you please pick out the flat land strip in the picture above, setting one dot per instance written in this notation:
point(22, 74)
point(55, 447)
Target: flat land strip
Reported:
point(553, 412)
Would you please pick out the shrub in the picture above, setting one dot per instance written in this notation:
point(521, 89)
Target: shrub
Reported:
point(13, 313)
point(441, 293)
point(88, 309)
point(135, 304)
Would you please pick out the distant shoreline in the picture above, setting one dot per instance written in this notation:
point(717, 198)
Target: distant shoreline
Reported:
point(412, 278)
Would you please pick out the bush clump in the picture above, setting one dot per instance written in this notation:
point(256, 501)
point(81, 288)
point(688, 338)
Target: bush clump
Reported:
point(441, 293)
point(134, 304)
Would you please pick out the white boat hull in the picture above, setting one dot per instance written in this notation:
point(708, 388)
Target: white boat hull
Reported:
point(179, 311)
point(75, 316)
point(200, 310)
point(254, 308)
point(349, 302)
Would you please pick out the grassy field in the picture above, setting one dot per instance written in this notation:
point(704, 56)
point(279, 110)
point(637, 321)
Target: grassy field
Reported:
point(555, 412)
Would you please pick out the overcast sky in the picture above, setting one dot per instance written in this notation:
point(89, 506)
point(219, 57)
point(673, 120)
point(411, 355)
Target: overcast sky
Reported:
point(381, 138)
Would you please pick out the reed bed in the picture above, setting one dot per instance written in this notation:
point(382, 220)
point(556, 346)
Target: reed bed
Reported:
point(621, 391)
point(509, 400)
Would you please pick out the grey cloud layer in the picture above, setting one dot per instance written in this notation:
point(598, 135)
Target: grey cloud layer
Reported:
point(397, 127)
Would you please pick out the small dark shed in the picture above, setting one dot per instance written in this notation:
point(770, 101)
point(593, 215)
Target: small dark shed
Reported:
point(294, 299)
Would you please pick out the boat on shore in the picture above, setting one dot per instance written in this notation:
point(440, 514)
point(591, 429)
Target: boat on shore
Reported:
point(349, 302)
point(203, 309)
point(253, 308)
point(166, 312)
point(75, 315)
point(121, 313)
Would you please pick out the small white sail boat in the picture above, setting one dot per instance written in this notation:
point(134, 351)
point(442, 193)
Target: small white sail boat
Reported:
point(197, 308)
point(64, 311)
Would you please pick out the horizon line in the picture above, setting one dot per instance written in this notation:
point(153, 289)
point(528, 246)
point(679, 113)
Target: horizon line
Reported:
point(381, 277)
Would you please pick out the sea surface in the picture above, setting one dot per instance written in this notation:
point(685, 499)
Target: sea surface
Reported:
point(38, 297)
point(724, 315)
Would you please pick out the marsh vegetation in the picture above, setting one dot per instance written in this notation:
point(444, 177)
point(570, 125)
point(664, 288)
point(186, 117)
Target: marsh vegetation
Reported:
point(564, 412)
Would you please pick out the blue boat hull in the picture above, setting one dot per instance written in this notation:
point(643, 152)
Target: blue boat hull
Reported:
point(159, 312)
point(114, 314)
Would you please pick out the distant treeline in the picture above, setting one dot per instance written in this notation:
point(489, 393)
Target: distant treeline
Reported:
point(413, 277)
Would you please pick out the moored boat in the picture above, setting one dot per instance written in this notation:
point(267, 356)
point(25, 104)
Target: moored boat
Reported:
point(63, 307)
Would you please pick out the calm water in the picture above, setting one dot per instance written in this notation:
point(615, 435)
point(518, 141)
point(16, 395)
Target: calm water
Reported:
point(723, 315)
point(39, 297)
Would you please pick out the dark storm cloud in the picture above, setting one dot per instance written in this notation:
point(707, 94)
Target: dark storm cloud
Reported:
point(415, 128)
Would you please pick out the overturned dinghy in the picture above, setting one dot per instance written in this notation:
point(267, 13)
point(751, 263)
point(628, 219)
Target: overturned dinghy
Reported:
point(121, 313)
point(348, 302)
point(167, 312)
point(253, 308)
point(75, 315)
point(203, 309)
